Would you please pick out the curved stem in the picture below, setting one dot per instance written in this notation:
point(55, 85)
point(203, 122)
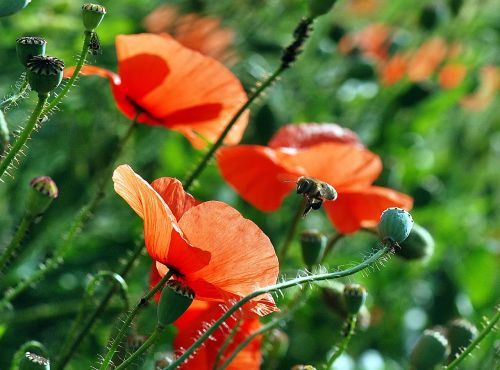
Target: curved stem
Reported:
point(331, 244)
point(349, 331)
point(10, 252)
point(475, 342)
point(226, 344)
point(24, 135)
point(148, 343)
point(128, 320)
point(292, 229)
point(273, 288)
point(14, 98)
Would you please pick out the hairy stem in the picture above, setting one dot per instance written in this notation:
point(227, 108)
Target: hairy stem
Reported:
point(148, 343)
point(348, 333)
point(5, 104)
point(226, 344)
point(13, 248)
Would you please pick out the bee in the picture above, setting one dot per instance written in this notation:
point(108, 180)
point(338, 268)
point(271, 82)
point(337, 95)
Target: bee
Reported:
point(315, 192)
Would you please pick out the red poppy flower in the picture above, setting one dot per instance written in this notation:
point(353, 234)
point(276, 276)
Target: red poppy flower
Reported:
point(210, 247)
point(489, 85)
point(263, 176)
point(426, 59)
point(452, 75)
point(394, 70)
point(169, 85)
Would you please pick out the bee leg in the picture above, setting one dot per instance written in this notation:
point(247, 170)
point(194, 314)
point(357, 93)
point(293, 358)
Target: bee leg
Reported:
point(307, 208)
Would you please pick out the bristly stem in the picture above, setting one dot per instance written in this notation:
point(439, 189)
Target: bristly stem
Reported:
point(5, 104)
point(10, 252)
point(24, 135)
point(292, 229)
point(347, 335)
point(128, 320)
point(474, 344)
point(273, 288)
point(226, 344)
point(148, 343)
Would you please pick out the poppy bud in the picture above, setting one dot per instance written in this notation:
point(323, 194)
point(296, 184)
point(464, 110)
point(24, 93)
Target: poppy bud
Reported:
point(33, 361)
point(92, 15)
point(44, 73)
point(395, 225)
point(44, 192)
point(164, 359)
point(354, 297)
point(277, 343)
point(460, 334)
point(418, 245)
point(303, 367)
point(431, 349)
point(320, 7)
point(9, 7)
point(28, 47)
point(175, 299)
point(313, 244)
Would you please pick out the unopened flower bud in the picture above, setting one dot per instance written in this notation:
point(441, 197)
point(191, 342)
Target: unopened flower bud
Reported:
point(354, 297)
point(431, 350)
point(92, 15)
point(28, 47)
point(32, 361)
point(9, 7)
point(164, 359)
point(43, 193)
point(395, 225)
point(303, 367)
point(44, 73)
point(320, 7)
point(418, 245)
point(460, 334)
point(277, 343)
point(313, 244)
point(175, 299)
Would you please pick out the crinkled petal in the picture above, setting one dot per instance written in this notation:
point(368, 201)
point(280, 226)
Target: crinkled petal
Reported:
point(173, 194)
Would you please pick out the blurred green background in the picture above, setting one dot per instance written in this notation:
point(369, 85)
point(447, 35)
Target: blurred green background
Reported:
point(443, 155)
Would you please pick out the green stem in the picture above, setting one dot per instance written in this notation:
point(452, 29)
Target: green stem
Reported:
point(291, 231)
point(349, 331)
point(331, 244)
point(206, 158)
point(490, 327)
point(13, 247)
point(72, 79)
point(128, 320)
point(226, 344)
point(24, 135)
point(273, 288)
point(148, 343)
point(73, 341)
point(14, 98)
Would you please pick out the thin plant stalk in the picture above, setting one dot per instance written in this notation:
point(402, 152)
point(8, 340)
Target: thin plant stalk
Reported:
point(12, 249)
point(5, 104)
point(348, 333)
point(128, 320)
point(292, 229)
point(148, 343)
point(226, 344)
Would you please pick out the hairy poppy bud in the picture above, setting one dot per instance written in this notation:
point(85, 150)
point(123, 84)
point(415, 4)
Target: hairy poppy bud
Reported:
point(9, 7)
point(44, 73)
point(354, 297)
point(28, 47)
point(33, 361)
point(418, 245)
point(320, 7)
point(460, 334)
point(92, 15)
point(313, 244)
point(44, 192)
point(175, 299)
point(395, 225)
point(431, 349)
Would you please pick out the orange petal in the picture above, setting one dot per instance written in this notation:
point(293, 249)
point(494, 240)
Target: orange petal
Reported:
point(452, 75)
point(162, 235)
point(257, 174)
point(394, 70)
point(362, 208)
point(426, 59)
point(309, 134)
point(173, 194)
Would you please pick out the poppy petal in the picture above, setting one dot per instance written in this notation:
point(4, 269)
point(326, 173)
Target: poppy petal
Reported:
point(173, 194)
point(259, 174)
point(362, 208)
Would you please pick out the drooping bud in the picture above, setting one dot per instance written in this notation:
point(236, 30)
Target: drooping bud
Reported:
point(92, 15)
point(313, 243)
point(164, 359)
point(460, 334)
point(395, 225)
point(44, 73)
point(44, 192)
point(28, 47)
point(175, 299)
point(431, 350)
point(354, 297)
point(276, 344)
point(9, 7)
point(320, 7)
point(418, 245)
point(32, 361)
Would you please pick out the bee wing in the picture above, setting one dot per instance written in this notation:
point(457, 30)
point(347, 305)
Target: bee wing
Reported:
point(287, 177)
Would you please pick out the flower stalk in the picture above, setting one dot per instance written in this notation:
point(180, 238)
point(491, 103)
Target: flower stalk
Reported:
point(13, 247)
point(347, 335)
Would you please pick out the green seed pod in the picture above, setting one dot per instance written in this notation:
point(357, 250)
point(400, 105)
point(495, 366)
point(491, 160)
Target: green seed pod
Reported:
point(395, 225)
point(92, 15)
point(45, 73)
point(313, 244)
point(9, 7)
point(33, 361)
point(460, 334)
point(44, 192)
point(431, 350)
point(419, 244)
point(28, 47)
point(354, 297)
point(320, 7)
point(175, 299)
